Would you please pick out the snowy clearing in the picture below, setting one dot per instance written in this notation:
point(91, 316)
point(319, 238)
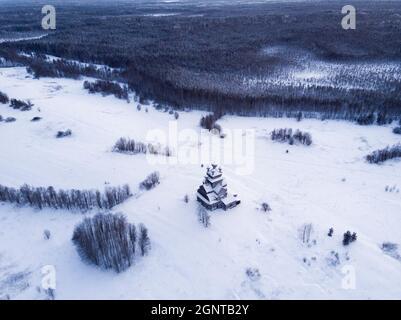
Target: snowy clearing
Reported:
point(328, 184)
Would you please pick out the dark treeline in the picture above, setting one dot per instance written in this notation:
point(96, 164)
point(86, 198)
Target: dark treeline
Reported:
point(126, 145)
point(287, 135)
point(203, 62)
point(15, 103)
point(40, 66)
point(110, 242)
point(82, 200)
point(107, 88)
point(382, 155)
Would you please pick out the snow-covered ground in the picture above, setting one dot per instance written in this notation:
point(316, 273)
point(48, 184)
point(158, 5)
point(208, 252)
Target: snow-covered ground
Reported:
point(327, 184)
point(3, 40)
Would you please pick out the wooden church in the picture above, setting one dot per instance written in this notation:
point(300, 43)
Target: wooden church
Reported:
point(212, 194)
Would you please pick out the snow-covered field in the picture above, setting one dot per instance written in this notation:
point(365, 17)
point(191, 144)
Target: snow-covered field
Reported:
point(327, 184)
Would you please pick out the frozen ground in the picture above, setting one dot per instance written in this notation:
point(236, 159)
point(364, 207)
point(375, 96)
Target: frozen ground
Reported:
point(328, 185)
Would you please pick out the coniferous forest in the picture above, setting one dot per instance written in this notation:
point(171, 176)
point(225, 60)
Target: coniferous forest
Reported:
point(243, 68)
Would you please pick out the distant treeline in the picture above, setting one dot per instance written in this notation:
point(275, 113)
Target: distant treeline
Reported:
point(41, 198)
point(40, 66)
point(205, 62)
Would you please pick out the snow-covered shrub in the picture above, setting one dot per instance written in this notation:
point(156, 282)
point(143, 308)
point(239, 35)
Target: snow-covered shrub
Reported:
point(287, 135)
point(151, 181)
point(265, 207)
point(389, 247)
point(392, 189)
point(397, 130)
point(63, 134)
point(253, 274)
point(10, 119)
point(4, 98)
point(348, 238)
point(203, 216)
point(21, 105)
point(382, 155)
point(106, 240)
point(107, 88)
point(143, 240)
point(40, 198)
point(46, 234)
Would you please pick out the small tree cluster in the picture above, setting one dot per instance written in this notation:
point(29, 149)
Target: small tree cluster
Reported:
point(209, 122)
point(3, 98)
point(382, 155)
point(21, 105)
point(287, 135)
point(63, 134)
point(107, 88)
point(203, 216)
point(109, 241)
point(82, 200)
point(151, 181)
point(126, 145)
point(348, 238)
point(365, 120)
point(397, 130)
